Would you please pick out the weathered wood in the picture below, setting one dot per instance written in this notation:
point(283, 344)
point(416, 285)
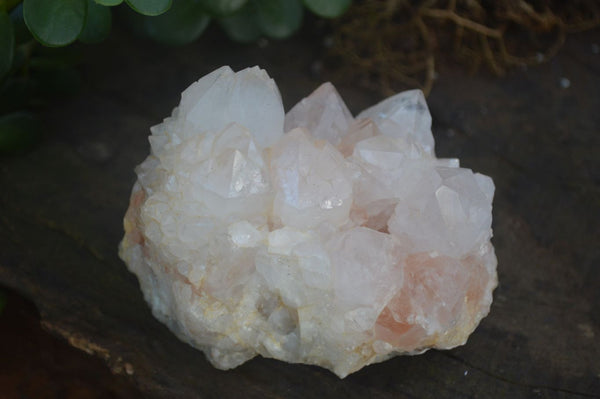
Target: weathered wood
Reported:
point(62, 204)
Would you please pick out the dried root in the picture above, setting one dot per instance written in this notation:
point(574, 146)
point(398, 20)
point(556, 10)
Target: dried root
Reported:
point(391, 44)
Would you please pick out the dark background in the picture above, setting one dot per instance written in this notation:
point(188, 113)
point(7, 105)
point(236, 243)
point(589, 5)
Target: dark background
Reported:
point(62, 205)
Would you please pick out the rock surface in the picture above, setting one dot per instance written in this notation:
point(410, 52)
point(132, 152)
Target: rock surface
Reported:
point(340, 242)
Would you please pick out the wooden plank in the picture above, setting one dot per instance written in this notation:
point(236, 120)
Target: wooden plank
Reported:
point(62, 205)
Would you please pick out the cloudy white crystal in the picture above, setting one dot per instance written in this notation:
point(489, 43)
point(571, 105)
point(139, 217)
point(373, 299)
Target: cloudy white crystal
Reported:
point(309, 237)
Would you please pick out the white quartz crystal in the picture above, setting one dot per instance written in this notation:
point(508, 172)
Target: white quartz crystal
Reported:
point(311, 237)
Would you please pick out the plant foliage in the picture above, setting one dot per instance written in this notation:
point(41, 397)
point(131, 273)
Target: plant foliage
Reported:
point(32, 75)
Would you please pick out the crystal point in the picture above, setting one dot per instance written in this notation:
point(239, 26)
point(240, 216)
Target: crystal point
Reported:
point(323, 113)
point(404, 115)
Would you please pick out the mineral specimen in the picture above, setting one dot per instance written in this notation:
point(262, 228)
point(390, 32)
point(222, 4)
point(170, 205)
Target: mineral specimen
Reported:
point(311, 237)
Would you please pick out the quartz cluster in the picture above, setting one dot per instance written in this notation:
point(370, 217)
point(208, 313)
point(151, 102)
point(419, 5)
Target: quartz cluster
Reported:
point(312, 236)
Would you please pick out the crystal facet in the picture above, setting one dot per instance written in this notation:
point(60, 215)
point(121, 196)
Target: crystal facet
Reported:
point(310, 237)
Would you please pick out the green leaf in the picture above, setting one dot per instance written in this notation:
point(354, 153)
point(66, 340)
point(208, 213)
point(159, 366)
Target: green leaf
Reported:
point(223, 7)
point(7, 44)
point(18, 132)
point(183, 23)
point(150, 7)
point(328, 8)
point(97, 23)
point(242, 26)
point(55, 23)
point(279, 18)
point(109, 3)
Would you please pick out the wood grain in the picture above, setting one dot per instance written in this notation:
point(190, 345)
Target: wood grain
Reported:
point(62, 205)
